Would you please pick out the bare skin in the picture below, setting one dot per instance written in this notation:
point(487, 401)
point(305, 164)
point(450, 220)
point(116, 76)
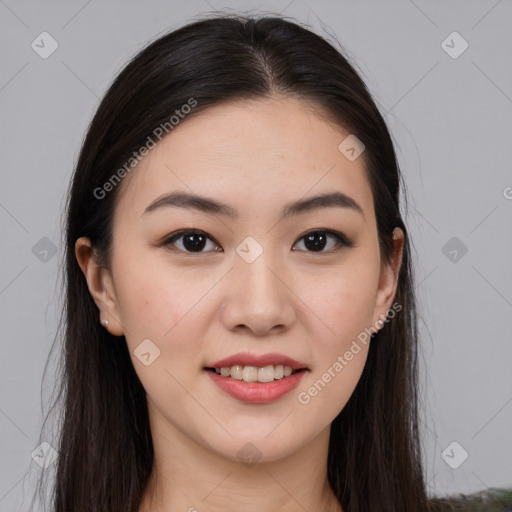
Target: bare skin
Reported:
point(199, 306)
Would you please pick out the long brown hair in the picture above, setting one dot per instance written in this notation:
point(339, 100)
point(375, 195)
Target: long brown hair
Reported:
point(104, 442)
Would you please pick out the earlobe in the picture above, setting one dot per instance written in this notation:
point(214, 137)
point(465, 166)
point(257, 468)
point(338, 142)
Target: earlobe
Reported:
point(388, 281)
point(100, 286)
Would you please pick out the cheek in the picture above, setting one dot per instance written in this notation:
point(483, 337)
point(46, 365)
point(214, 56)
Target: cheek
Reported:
point(162, 306)
point(159, 307)
point(342, 301)
point(344, 305)
point(155, 298)
point(343, 350)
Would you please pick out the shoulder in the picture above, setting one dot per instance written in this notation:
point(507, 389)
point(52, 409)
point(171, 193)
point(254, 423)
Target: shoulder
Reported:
point(491, 500)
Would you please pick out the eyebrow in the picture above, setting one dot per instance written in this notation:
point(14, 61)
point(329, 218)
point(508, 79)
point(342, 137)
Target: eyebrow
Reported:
point(211, 206)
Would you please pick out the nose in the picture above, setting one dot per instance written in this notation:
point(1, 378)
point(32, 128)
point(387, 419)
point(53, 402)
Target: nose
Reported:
point(258, 297)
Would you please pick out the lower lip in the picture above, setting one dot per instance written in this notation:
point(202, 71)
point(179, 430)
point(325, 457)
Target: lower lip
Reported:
point(257, 392)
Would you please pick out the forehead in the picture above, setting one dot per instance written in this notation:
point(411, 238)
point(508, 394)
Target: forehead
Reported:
point(256, 155)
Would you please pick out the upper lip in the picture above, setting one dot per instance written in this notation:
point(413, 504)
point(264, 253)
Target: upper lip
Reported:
point(247, 359)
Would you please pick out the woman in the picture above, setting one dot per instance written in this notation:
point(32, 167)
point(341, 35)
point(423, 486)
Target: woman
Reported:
point(240, 317)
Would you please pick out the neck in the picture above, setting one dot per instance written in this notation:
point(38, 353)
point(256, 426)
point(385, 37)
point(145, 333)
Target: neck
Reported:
point(188, 476)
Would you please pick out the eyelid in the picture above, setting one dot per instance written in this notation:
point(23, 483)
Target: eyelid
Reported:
point(342, 240)
point(168, 241)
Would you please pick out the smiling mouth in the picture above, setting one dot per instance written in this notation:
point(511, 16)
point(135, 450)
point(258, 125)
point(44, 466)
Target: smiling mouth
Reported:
point(248, 373)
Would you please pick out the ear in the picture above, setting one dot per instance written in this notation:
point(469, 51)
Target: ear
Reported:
point(388, 280)
point(100, 284)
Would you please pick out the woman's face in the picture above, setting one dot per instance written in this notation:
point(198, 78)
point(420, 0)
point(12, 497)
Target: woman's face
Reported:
point(254, 280)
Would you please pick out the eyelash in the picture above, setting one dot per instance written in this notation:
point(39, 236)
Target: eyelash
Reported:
point(341, 240)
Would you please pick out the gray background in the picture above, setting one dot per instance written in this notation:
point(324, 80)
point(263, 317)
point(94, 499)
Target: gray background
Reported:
point(451, 119)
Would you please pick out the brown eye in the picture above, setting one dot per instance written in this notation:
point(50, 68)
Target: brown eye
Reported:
point(196, 241)
point(317, 240)
point(193, 241)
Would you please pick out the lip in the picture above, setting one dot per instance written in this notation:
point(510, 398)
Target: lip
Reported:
point(248, 359)
point(256, 392)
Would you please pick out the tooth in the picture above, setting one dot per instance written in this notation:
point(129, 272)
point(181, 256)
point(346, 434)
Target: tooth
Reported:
point(250, 374)
point(266, 374)
point(279, 371)
point(236, 372)
point(255, 374)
